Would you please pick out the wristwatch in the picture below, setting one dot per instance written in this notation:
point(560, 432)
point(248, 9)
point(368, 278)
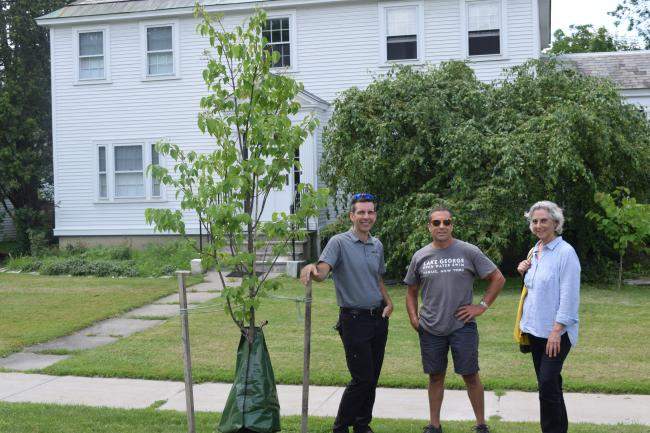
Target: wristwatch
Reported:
point(484, 304)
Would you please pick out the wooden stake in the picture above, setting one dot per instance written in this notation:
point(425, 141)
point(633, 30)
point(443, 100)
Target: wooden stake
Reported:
point(187, 359)
point(306, 358)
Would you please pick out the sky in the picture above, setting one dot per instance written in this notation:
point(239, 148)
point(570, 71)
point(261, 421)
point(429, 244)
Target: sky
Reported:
point(566, 12)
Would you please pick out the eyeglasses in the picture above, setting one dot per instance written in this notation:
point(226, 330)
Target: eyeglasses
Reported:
point(363, 196)
point(436, 223)
point(541, 221)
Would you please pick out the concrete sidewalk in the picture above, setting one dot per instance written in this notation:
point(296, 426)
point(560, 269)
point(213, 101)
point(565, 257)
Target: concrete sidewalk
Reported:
point(324, 400)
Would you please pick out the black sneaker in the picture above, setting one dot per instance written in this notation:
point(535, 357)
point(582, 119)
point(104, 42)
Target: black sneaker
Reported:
point(432, 429)
point(481, 428)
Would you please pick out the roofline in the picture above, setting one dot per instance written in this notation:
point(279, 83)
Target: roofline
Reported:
point(603, 54)
point(182, 11)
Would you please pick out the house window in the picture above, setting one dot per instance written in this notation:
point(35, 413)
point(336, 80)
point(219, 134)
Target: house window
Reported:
point(484, 27)
point(129, 174)
point(103, 184)
point(278, 36)
point(155, 183)
point(91, 55)
point(160, 51)
point(402, 33)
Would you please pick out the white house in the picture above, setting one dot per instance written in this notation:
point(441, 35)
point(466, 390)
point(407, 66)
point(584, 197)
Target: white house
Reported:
point(126, 73)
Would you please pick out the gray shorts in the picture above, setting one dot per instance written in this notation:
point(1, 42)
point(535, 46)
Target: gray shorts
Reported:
point(464, 350)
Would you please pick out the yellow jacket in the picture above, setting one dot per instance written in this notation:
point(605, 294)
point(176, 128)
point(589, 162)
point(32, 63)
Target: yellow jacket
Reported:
point(520, 337)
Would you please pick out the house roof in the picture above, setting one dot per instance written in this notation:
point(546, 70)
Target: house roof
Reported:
point(627, 69)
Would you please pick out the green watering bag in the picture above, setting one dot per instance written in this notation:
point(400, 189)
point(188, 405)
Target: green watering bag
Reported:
point(252, 404)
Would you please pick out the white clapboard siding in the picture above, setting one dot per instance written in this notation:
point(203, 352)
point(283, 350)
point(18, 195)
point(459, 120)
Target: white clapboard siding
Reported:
point(338, 46)
point(7, 228)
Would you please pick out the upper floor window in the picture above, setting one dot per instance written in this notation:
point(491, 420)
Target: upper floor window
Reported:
point(277, 32)
point(402, 33)
point(484, 27)
point(160, 51)
point(91, 55)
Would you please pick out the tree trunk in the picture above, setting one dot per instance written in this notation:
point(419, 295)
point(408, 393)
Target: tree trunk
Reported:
point(620, 270)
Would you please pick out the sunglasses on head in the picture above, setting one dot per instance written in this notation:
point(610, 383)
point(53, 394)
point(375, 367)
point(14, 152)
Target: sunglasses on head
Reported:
point(436, 223)
point(363, 196)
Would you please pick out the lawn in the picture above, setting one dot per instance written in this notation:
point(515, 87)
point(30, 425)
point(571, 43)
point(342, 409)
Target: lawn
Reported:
point(41, 418)
point(609, 358)
point(37, 308)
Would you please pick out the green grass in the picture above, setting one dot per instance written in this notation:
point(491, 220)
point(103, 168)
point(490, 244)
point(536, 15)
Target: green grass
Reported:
point(611, 356)
point(41, 418)
point(36, 309)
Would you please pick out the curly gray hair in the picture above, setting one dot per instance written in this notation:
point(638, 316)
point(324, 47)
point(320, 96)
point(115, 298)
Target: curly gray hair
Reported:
point(553, 209)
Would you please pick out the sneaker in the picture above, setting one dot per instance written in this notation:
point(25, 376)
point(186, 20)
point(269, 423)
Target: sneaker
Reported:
point(432, 429)
point(481, 428)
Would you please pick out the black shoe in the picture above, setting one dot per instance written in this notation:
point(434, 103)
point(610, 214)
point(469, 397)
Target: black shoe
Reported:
point(432, 429)
point(481, 428)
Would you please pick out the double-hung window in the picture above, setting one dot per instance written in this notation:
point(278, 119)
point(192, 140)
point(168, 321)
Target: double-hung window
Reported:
point(484, 27)
point(160, 51)
point(402, 33)
point(277, 33)
point(129, 171)
point(122, 171)
point(92, 65)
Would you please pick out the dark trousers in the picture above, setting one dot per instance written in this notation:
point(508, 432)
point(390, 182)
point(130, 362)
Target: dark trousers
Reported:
point(364, 340)
point(552, 410)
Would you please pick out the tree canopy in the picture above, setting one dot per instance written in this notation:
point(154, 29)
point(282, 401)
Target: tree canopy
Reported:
point(420, 138)
point(586, 39)
point(636, 15)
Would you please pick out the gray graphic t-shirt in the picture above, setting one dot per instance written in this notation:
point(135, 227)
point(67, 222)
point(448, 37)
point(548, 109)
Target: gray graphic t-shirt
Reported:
point(446, 277)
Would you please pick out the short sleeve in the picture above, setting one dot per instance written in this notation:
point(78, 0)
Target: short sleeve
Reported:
point(382, 262)
point(482, 263)
point(412, 276)
point(332, 252)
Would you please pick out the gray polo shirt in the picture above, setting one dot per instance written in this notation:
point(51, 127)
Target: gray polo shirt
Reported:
point(356, 268)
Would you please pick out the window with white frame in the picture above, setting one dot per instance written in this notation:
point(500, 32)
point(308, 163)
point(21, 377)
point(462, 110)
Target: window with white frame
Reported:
point(484, 27)
point(103, 181)
point(401, 32)
point(277, 32)
point(91, 55)
point(160, 50)
point(155, 183)
point(129, 171)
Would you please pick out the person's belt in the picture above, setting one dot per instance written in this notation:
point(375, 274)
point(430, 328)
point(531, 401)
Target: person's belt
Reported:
point(373, 312)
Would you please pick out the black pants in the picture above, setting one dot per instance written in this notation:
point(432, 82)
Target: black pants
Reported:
point(364, 340)
point(552, 410)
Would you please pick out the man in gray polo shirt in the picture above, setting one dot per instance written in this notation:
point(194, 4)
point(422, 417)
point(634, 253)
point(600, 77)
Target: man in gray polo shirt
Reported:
point(356, 260)
point(445, 270)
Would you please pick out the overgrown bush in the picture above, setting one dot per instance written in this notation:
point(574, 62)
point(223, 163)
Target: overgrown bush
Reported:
point(119, 261)
point(419, 138)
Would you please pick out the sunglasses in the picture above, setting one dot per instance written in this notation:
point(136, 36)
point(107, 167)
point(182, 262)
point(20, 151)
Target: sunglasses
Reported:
point(363, 196)
point(436, 223)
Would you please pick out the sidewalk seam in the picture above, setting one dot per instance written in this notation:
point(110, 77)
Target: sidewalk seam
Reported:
point(3, 398)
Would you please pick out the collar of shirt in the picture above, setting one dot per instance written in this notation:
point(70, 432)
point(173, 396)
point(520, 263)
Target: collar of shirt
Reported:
point(355, 238)
point(554, 243)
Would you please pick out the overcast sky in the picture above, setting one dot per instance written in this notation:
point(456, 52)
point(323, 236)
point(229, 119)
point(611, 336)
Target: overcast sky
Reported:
point(567, 12)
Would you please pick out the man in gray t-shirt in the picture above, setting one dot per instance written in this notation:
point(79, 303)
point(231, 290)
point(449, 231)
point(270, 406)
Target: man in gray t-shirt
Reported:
point(356, 259)
point(445, 271)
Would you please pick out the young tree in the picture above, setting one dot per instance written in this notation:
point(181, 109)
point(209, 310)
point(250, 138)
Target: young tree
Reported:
point(586, 39)
point(636, 13)
point(626, 223)
point(25, 115)
point(249, 112)
point(252, 115)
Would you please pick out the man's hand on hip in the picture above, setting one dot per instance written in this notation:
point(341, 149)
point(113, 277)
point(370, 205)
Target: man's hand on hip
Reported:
point(468, 312)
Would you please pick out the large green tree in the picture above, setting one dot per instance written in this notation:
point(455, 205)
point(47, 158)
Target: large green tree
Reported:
point(636, 15)
point(25, 114)
point(418, 138)
point(586, 39)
